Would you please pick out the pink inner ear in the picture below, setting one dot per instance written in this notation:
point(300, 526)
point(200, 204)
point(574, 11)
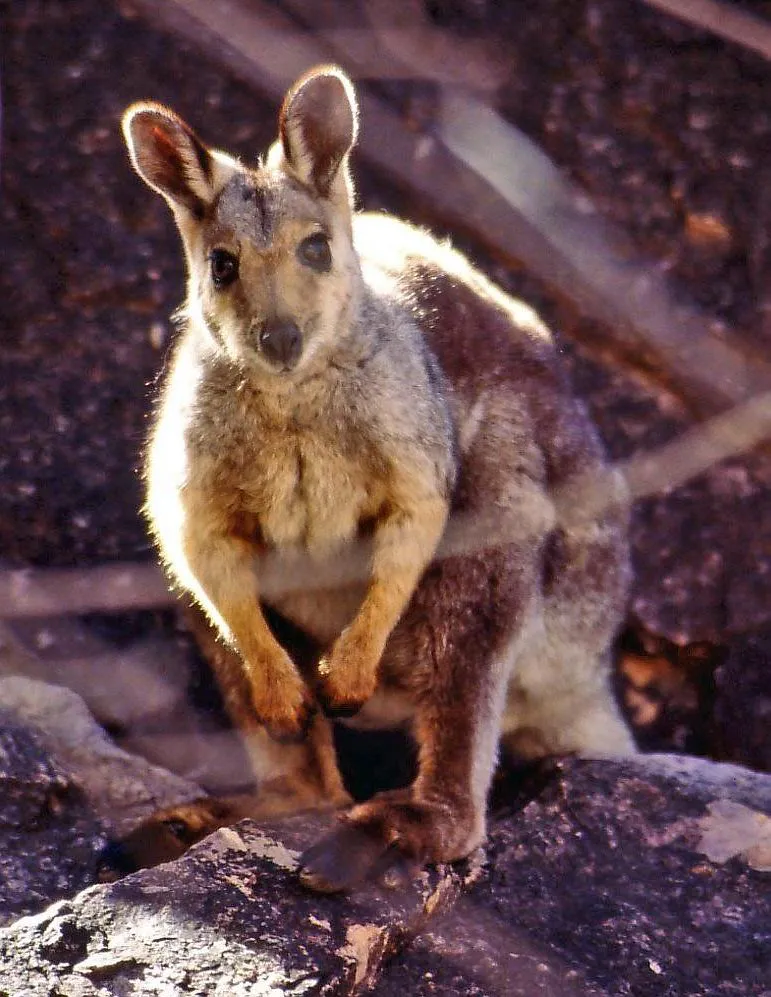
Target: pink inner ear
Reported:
point(165, 147)
point(161, 157)
point(161, 136)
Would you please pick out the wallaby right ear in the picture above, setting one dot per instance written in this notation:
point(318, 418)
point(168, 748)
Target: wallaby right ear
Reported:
point(318, 127)
point(170, 157)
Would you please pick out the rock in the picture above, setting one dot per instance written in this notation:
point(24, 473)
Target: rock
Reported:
point(476, 953)
point(138, 675)
point(743, 701)
point(229, 919)
point(606, 868)
point(49, 833)
point(64, 787)
point(122, 789)
point(602, 883)
point(705, 780)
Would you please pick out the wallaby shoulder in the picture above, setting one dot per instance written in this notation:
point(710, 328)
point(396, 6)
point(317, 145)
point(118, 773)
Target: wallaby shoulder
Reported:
point(496, 355)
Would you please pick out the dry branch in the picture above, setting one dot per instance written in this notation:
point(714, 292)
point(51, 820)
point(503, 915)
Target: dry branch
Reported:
point(723, 20)
point(108, 588)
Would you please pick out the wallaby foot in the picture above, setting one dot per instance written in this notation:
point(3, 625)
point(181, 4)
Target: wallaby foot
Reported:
point(394, 833)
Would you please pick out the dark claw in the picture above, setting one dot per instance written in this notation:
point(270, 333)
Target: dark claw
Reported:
point(342, 711)
point(345, 859)
point(336, 710)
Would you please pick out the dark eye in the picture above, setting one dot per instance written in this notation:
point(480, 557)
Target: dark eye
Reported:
point(314, 252)
point(224, 267)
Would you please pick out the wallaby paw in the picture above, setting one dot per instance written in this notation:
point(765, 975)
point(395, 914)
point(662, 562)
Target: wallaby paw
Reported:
point(347, 676)
point(390, 837)
point(288, 726)
point(349, 857)
point(282, 702)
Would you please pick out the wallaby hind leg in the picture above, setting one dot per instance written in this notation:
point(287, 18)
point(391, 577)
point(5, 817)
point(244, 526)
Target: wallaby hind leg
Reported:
point(560, 699)
point(458, 674)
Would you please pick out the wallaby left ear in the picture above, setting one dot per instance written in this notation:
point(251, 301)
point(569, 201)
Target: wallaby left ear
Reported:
point(318, 126)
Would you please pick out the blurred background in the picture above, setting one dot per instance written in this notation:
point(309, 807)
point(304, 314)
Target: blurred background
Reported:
point(606, 160)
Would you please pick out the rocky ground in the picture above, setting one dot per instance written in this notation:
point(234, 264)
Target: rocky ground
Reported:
point(664, 127)
point(665, 130)
point(645, 878)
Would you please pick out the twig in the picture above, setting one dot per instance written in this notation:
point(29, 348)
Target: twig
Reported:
point(108, 588)
point(656, 472)
point(633, 298)
point(722, 20)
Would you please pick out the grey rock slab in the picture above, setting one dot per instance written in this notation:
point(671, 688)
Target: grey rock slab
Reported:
point(475, 952)
point(63, 786)
point(704, 780)
point(49, 834)
point(607, 869)
point(600, 884)
point(122, 788)
point(229, 919)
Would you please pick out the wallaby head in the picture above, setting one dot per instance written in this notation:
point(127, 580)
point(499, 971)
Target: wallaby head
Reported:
point(272, 274)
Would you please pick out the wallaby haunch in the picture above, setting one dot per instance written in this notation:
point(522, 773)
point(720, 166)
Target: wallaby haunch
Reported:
point(361, 435)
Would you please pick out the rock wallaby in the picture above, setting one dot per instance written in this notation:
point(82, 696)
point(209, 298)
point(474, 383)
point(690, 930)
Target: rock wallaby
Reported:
point(361, 436)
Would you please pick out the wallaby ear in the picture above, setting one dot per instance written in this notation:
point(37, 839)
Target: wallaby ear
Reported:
point(169, 156)
point(318, 126)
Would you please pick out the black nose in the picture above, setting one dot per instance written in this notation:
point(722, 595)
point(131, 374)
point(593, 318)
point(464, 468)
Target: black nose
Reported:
point(281, 342)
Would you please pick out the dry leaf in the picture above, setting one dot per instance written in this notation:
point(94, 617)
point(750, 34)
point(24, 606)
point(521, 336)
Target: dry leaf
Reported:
point(731, 829)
